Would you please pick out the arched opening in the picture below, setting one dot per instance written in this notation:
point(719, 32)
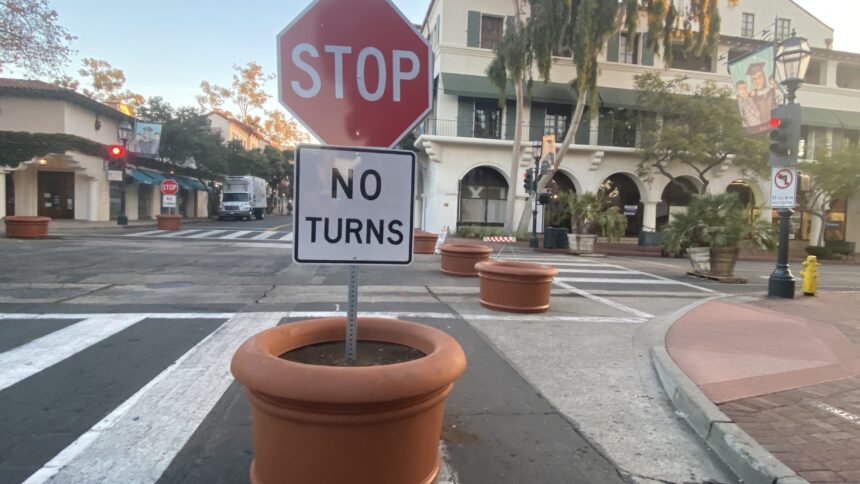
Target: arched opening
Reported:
point(677, 195)
point(483, 194)
point(10, 194)
point(627, 198)
point(554, 211)
point(745, 192)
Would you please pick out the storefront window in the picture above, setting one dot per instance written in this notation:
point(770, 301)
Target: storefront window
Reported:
point(834, 225)
point(483, 194)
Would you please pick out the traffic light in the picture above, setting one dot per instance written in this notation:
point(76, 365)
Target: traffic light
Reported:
point(785, 135)
point(116, 152)
point(544, 198)
point(528, 180)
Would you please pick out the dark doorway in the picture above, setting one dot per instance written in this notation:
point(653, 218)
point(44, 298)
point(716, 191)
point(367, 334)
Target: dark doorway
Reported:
point(144, 202)
point(626, 197)
point(56, 197)
point(10, 194)
point(678, 193)
point(554, 211)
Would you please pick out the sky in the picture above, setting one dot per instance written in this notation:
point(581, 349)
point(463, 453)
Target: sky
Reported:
point(166, 47)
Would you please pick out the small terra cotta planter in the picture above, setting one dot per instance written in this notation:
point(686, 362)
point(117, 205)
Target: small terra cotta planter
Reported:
point(169, 222)
point(460, 259)
point(26, 227)
point(333, 425)
point(424, 242)
point(516, 287)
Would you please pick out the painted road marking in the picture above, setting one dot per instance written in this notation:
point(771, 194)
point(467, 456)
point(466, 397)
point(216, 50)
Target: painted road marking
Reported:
point(210, 233)
point(235, 235)
point(155, 423)
point(147, 234)
point(855, 419)
point(33, 357)
point(181, 233)
point(592, 271)
point(603, 300)
point(288, 237)
point(263, 235)
point(600, 280)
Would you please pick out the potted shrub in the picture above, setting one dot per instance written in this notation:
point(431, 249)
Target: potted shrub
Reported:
point(591, 214)
point(714, 225)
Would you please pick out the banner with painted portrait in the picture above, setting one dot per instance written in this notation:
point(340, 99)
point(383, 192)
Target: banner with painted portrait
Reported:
point(548, 154)
point(146, 139)
point(753, 78)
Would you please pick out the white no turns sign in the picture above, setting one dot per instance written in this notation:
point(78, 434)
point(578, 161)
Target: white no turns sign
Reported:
point(353, 205)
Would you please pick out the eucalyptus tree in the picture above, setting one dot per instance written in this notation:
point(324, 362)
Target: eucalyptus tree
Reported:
point(581, 28)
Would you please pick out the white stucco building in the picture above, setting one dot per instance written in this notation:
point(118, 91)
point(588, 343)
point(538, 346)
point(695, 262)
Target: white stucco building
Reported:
point(74, 184)
point(465, 145)
point(233, 130)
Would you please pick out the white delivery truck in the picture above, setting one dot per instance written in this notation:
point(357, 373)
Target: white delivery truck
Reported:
point(243, 197)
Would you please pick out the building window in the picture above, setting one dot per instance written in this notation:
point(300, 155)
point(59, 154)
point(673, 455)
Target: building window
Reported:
point(848, 76)
point(783, 29)
point(557, 120)
point(483, 195)
point(628, 49)
point(834, 226)
point(748, 25)
point(617, 128)
point(488, 119)
point(491, 31)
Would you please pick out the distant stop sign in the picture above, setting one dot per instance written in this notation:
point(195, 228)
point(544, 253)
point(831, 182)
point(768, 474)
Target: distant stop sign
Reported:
point(355, 73)
point(169, 187)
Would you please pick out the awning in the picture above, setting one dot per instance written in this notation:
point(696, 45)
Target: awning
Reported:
point(191, 183)
point(830, 118)
point(140, 177)
point(157, 177)
point(545, 92)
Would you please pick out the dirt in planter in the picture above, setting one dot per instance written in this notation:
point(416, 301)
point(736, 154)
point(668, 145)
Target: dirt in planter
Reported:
point(369, 353)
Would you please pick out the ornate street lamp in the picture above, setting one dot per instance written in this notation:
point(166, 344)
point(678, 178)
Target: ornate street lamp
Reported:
point(123, 132)
point(792, 60)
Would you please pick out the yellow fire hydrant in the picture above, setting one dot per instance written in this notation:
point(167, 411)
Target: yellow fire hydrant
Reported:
point(809, 273)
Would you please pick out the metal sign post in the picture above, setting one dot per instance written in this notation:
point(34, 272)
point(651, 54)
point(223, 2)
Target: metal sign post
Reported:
point(352, 314)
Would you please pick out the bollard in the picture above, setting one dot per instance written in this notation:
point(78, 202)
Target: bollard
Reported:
point(809, 273)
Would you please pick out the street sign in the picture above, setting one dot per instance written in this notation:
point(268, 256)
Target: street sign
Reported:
point(355, 73)
point(783, 187)
point(115, 175)
point(353, 205)
point(169, 187)
point(168, 201)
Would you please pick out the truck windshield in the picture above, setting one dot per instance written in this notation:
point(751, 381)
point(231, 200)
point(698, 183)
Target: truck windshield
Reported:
point(235, 197)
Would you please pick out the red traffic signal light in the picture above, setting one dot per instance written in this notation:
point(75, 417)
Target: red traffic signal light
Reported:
point(116, 151)
point(775, 122)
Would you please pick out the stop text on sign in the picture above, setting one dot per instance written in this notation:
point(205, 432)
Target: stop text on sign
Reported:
point(353, 206)
point(368, 59)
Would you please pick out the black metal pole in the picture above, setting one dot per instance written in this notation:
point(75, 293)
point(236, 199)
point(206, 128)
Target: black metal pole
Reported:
point(122, 219)
point(533, 242)
point(781, 281)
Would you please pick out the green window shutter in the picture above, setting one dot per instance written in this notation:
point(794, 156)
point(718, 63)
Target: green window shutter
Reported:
point(647, 50)
point(509, 23)
point(605, 127)
point(612, 49)
point(537, 121)
point(510, 119)
point(473, 34)
point(466, 117)
point(583, 132)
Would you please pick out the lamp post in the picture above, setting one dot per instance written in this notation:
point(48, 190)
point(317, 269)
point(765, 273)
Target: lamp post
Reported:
point(123, 131)
point(536, 149)
point(792, 60)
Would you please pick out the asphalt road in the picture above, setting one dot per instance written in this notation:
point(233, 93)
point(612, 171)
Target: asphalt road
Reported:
point(102, 336)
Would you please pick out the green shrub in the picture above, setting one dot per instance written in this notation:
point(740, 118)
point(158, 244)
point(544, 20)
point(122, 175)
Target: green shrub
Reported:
point(822, 253)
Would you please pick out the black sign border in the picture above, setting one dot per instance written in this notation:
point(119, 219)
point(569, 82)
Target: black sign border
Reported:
point(296, 207)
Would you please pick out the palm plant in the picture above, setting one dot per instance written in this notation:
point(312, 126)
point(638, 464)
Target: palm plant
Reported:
point(593, 213)
point(716, 221)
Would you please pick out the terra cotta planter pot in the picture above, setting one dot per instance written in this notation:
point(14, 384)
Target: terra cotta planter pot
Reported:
point(169, 222)
point(26, 227)
point(424, 242)
point(516, 287)
point(460, 259)
point(334, 425)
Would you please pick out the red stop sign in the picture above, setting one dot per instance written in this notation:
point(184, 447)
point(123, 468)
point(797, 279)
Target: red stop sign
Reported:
point(169, 187)
point(355, 73)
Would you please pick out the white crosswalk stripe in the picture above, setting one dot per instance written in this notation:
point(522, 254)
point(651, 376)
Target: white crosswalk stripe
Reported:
point(278, 237)
point(263, 235)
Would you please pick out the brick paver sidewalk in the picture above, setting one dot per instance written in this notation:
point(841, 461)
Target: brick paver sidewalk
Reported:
point(787, 372)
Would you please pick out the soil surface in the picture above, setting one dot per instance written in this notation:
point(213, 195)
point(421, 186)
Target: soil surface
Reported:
point(369, 353)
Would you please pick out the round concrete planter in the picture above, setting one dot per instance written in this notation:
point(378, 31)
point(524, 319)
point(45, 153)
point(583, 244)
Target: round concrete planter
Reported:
point(24, 227)
point(460, 259)
point(334, 425)
point(515, 287)
point(169, 222)
point(424, 242)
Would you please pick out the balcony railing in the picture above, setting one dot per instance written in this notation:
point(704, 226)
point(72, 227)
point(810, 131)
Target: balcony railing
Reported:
point(465, 129)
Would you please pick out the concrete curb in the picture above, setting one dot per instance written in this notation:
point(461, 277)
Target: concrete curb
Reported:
point(749, 460)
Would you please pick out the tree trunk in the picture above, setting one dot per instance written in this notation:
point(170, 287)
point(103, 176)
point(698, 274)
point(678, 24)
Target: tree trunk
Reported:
point(516, 155)
point(568, 140)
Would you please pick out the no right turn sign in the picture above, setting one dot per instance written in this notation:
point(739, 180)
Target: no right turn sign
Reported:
point(783, 187)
